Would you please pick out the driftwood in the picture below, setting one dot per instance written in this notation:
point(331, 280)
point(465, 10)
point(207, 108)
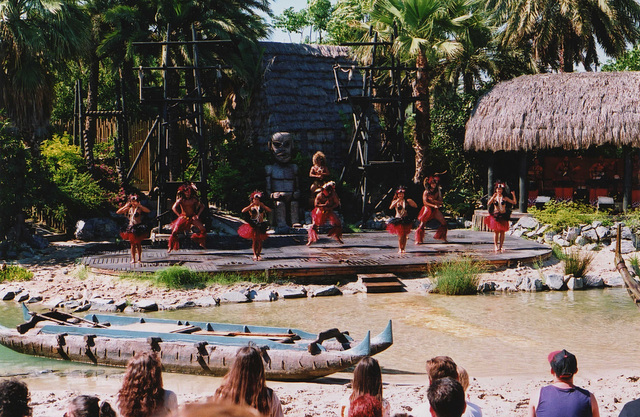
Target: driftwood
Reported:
point(633, 288)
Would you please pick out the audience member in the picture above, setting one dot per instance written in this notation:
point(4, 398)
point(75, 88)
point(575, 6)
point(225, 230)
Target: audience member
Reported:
point(14, 399)
point(142, 394)
point(631, 409)
point(245, 383)
point(446, 397)
point(89, 406)
point(218, 409)
point(367, 379)
point(365, 406)
point(472, 409)
point(440, 367)
point(562, 398)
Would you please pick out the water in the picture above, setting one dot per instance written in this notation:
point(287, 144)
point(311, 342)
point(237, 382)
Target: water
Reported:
point(490, 335)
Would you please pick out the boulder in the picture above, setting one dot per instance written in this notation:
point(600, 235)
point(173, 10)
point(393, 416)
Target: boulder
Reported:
point(555, 282)
point(293, 293)
point(572, 234)
point(581, 241)
point(263, 295)
point(575, 283)
point(603, 232)
point(54, 302)
point(591, 247)
point(507, 287)
point(207, 301)
point(234, 297)
point(427, 286)
point(35, 299)
point(517, 233)
point(326, 291)
point(487, 287)
point(527, 222)
point(626, 246)
point(146, 305)
point(7, 295)
point(558, 240)
point(590, 235)
point(185, 304)
point(592, 281)
point(22, 297)
point(613, 280)
point(596, 223)
point(97, 228)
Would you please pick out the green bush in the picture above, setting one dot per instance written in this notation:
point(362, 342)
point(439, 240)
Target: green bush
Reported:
point(181, 277)
point(557, 251)
point(15, 273)
point(560, 214)
point(459, 276)
point(577, 263)
point(635, 265)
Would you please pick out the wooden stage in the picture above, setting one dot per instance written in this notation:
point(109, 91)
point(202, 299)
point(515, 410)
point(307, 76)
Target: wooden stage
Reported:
point(288, 256)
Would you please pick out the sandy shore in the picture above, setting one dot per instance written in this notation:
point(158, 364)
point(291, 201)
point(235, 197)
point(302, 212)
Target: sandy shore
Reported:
point(56, 275)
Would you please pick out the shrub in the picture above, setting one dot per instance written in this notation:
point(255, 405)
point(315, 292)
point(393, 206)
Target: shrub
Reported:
point(557, 251)
point(577, 263)
point(14, 273)
point(560, 214)
point(182, 277)
point(635, 265)
point(459, 276)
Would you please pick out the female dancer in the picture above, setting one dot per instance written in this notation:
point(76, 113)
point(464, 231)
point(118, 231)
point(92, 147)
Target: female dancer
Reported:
point(319, 172)
point(256, 229)
point(188, 208)
point(136, 231)
point(142, 394)
point(367, 379)
point(432, 201)
point(245, 383)
point(324, 203)
point(401, 224)
point(499, 213)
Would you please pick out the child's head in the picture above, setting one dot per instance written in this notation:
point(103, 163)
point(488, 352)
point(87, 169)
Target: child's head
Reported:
point(319, 158)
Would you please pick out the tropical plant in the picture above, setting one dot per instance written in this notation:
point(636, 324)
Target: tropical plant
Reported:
point(577, 262)
point(563, 33)
point(14, 273)
point(628, 61)
point(421, 31)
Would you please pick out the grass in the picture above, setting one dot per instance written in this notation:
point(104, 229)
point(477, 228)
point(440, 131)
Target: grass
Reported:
point(557, 252)
point(81, 272)
point(458, 277)
point(635, 265)
point(180, 277)
point(14, 273)
point(577, 263)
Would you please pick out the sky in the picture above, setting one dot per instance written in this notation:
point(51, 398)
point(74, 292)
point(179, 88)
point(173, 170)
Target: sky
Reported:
point(278, 6)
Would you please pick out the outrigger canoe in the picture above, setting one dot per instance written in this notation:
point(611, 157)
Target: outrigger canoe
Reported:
point(203, 348)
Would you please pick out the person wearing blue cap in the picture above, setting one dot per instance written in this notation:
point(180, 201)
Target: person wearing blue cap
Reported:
point(562, 398)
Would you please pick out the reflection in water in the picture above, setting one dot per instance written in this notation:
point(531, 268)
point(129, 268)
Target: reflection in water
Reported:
point(496, 334)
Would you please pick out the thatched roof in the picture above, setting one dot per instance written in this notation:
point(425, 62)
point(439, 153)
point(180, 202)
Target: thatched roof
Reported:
point(298, 96)
point(571, 111)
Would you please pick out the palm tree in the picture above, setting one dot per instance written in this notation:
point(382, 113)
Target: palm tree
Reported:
point(424, 29)
point(563, 33)
point(36, 37)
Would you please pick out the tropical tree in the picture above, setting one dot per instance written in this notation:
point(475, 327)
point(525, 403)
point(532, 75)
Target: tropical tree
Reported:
point(292, 21)
point(345, 24)
point(563, 33)
point(319, 12)
point(36, 37)
point(421, 31)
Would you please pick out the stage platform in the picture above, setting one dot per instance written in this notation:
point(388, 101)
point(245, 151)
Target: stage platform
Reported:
point(288, 255)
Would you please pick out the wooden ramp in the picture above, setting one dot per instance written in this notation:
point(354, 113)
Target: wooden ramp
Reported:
point(326, 260)
point(379, 283)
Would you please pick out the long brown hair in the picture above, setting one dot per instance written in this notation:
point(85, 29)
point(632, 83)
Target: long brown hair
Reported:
point(245, 383)
point(367, 379)
point(142, 393)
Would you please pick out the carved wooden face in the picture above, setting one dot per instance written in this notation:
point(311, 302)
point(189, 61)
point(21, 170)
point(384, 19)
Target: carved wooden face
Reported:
point(282, 147)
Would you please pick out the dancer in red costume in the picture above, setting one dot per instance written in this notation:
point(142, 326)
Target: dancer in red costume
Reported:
point(319, 172)
point(325, 202)
point(136, 231)
point(499, 213)
point(188, 208)
point(401, 224)
point(256, 229)
point(432, 201)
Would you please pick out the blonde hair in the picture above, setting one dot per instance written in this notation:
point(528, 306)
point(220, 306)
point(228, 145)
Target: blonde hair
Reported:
point(463, 377)
point(317, 157)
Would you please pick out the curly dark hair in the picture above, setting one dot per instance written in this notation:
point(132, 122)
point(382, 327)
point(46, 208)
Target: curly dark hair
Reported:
point(245, 383)
point(141, 393)
point(89, 406)
point(14, 399)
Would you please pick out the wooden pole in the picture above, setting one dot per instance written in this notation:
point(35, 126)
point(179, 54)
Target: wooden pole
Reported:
point(490, 174)
point(628, 173)
point(523, 198)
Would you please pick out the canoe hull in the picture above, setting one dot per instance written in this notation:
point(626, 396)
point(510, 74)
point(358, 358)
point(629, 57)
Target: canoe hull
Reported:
point(181, 357)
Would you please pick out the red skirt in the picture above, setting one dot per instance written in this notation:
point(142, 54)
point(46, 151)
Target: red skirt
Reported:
point(399, 226)
point(253, 232)
point(135, 234)
point(426, 213)
point(496, 225)
point(320, 217)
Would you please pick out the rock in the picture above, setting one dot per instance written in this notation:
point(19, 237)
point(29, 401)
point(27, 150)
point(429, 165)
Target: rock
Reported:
point(35, 299)
point(234, 297)
point(613, 280)
point(555, 282)
point(146, 305)
point(592, 281)
point(98, 228)
point(507, 287)
point(207, 301)
point(487, 287)
point(527, 222)
point(55, 302)
point(517, 233)
point(591, 247)
point(572, 234)
point(121, 305)
point(626, 246)
point(263, 295)
point(542, 230)
point(602, 232)
point(548, 236)
point(530, 284)
point(581, 241)
point(293, 293)
point(575, 283)
point(596, 223)
point(557, 239)
point(82, 308)
point(100, 300)
point(427, 286)
point(38, 242)
point(7, 295)
point(185, 304)
point(71, 305)
point(326, 291)
point(105, 308)
point(590, 235)
point(22, 297)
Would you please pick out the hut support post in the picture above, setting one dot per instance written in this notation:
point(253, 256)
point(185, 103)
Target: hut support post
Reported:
point(628, 168)
point(523, 197)
point(490, 172)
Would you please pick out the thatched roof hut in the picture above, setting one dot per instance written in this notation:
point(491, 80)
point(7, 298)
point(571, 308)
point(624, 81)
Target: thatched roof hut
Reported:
point(571, 111)
point(298, 96)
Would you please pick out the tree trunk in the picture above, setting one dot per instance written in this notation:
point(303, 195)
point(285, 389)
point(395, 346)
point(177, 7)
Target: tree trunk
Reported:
point(566, 54)
point(422, 134)
point(89, 133)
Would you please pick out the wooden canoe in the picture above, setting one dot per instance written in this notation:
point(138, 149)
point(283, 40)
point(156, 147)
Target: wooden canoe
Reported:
point(113, 340)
